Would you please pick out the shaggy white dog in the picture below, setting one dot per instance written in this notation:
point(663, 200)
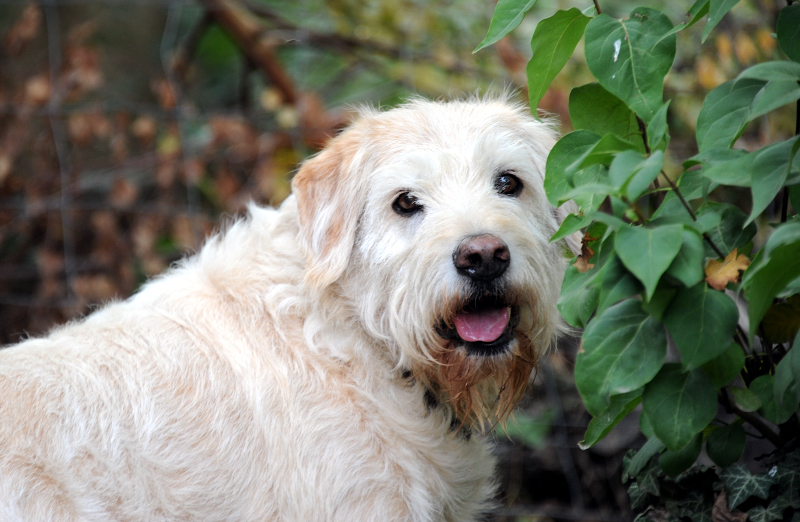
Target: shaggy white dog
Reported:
point(323, 361)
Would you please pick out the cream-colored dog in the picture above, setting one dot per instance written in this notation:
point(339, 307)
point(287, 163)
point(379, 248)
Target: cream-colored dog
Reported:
point(323, 361)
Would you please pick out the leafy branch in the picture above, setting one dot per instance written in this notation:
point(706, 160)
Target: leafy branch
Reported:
point(650, 279)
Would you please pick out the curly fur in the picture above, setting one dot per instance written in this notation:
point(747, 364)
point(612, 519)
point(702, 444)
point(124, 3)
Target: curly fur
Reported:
point(291, 370)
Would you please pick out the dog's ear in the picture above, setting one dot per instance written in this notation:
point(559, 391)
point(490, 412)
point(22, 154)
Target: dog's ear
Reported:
point(573, 240)
point(328, 193)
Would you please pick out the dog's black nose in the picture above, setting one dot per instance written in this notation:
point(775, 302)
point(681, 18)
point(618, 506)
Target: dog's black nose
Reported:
point(482, 257)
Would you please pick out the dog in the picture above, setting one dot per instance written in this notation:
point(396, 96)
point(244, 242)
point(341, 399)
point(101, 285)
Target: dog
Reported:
point(329, 360)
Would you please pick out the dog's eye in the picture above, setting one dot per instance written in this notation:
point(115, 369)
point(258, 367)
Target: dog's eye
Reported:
point(405, 204)
point(508, 184)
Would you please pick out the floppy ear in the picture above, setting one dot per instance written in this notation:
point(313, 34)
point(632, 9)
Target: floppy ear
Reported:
point(573, 240)
point(329, 202)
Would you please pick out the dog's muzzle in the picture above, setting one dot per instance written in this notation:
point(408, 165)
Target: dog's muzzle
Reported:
point(485, 323)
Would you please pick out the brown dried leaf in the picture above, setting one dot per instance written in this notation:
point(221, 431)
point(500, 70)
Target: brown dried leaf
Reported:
point(582, 261)
point(721, 513)
point(718, 275)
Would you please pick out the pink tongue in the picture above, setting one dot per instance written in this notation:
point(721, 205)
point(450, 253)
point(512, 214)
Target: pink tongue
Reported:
point(484, 326)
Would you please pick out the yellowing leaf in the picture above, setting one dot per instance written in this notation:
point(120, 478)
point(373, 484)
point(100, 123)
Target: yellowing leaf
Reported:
point(718, 275)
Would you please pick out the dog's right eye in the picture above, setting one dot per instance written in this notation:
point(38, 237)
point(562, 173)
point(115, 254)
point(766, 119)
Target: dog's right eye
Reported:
point(405, 204)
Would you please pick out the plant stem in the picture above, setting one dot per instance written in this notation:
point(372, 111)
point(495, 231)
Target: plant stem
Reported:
point(597, 6)
point(691, 213)
point(751, 419)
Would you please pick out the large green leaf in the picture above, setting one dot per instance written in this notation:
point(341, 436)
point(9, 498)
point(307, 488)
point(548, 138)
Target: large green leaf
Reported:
point(630, 58)
point(632, 466)
point(717, 9)
point(568, 151)
point(507, 15)
point(773, 95)
point(702, 322)
point(725, 445)
point(593, 108)
point(553, 42)
point(788, 31)
point(676, 462)
point(679, 404)
point(622, 350)
point(648, 252)
point(605, 151)
point(618, 408)
point(725, 113)
point(779, 70)
point(775, 267)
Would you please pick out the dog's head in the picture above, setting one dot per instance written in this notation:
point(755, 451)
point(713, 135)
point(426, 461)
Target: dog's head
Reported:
point(430, 223)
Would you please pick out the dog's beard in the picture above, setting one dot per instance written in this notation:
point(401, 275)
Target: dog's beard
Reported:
point(483, 384)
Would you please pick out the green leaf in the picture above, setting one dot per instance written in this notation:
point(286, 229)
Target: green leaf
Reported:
point(616, 284)
point(702, 322)
point(631, 467)
point(578, 300)
point(740, 484)
point(788, 31)
point(632, 172)
point(717, 9)
point(782, 320)
point(725, 445)
point(779, 70)
point(774, 267)
point(568, 151)
point(660, 300)
point(648, 252)
point(772, 410)
point(618, 408)
point(787, 476)
point(657, 128)
point(572, 223)
point(591, 187)
point(787, 377)
point(745, 399)
point(771, 167)
point(605, 150)
point(679, 405)
point(676, 462)
point(507, 16)
point(593, 108)
point(622, 350)
point(774, 95)
point(730, 232)
point(553, 43)
point(698, 10)
point(725, 368)
point(725, 113)
point(687, 267)
point(774, 511)
point(630, 58)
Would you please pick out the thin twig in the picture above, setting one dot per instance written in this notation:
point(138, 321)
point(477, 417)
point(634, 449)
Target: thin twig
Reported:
point(597, 6)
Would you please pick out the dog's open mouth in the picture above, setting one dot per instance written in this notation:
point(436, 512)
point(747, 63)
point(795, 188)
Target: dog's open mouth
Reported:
point(485, 327)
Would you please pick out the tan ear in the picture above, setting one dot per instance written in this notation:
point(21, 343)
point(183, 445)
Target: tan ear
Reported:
point(329, 201)
point(573, 240)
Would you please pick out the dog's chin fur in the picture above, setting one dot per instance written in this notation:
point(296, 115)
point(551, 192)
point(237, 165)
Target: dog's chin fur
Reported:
point(296, 367)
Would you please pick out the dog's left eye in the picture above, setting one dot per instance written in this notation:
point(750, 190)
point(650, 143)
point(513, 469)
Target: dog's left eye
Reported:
point(405, 204)
point(507, 184)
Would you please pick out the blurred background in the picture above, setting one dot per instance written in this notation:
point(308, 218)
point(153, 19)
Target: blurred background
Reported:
point(129, 129)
